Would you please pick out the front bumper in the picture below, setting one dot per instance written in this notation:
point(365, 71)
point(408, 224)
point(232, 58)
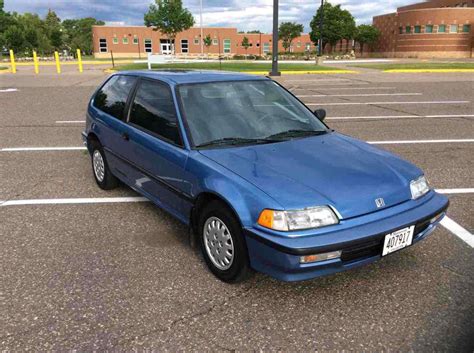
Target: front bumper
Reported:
point(360, 239)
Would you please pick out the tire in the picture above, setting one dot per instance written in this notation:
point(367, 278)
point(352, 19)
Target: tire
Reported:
point(220, 234)
point(100, 169)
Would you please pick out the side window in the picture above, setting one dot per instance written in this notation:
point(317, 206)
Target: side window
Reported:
point(112, 97)
point(153, 109)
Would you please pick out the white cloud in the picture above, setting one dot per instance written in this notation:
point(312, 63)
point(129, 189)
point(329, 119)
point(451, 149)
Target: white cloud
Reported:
point(243, 14)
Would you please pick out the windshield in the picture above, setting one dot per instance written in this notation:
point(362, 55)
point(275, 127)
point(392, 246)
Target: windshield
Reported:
point(243, 112)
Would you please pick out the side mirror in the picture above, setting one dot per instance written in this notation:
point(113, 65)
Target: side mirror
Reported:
point(320, 114)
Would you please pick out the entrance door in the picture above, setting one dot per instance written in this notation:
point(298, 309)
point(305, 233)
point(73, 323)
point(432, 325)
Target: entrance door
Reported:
point(165, 46)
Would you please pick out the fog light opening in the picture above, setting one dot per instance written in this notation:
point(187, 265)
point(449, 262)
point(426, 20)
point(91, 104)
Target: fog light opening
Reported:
point(436, 218)
point(320, 257)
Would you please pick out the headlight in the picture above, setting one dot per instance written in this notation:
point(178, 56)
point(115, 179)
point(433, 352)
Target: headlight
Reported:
point(313, 217)
point(419, 187)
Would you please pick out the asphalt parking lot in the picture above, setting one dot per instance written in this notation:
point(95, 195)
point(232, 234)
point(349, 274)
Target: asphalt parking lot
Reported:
point(122, 275)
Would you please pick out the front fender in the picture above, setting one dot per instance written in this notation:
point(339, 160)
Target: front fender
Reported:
point(246, 200)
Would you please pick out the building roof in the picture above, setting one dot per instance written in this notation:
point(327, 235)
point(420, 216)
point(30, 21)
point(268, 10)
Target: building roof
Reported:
point(193, 76)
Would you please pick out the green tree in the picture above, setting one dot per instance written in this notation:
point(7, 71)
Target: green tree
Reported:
point(78, 33)
point(207, 41)
point(254, 31)
point(338, 24)
point(169, 17)
point(54, 29)
point(289, 31)
point(246, 44)
point(14, 39)
point(366, 34)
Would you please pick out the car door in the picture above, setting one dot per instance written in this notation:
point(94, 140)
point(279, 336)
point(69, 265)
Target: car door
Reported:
point(109, 108)
point(156, 146)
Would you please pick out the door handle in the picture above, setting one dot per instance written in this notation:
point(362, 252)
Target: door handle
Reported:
point(125, 136)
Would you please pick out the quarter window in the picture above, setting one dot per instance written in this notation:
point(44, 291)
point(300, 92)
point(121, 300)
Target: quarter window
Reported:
point(112, 97)
point(407, 29)
point(125, 40)
point(103, 45)
point(417, 29)
point(215, 42)
point(135, 40)
point(454, 29)
point(466, 28)
point(400, 30)
point(441, 28)
point(196, 41)
point(115, 40)
point(153, 110)
point(148, 46)
point(429, 29)
point(184, 46)
point(227, 45)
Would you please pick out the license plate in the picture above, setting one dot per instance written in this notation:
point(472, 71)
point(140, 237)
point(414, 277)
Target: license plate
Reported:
point(398, 240)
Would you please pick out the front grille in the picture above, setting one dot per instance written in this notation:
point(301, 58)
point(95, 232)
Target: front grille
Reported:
point(374, 247)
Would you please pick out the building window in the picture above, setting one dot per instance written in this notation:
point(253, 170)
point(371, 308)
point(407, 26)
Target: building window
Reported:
point(215, 42)
point(298, 45)
point(429, 29)
point(135, 40)
point(125, 40)
point(115, 40)
point(454, 29)
point(103, 45)
point(226, 46)
point(148, 46)
point(466, 28)
point(266, 48)
point(417, 29)
point(407, 29)
point(400, 30)
point(442, 29)
point(184, 46)
point(196, 41)
point(308, 46)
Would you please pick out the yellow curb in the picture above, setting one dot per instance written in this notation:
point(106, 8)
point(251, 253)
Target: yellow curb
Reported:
point(324, 72)
point(109, 71)
point(427, 70)
point(52, 63)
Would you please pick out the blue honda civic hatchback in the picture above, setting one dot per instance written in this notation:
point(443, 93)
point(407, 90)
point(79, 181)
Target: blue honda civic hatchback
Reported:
point(259, 178)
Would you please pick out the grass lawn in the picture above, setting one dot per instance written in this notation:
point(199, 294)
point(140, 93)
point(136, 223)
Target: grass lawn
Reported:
point(241, 67)
point(3, 68)
point(418, 66)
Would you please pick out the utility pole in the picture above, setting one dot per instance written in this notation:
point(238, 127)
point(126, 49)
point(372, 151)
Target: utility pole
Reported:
point(320, 48)
point(275, 41)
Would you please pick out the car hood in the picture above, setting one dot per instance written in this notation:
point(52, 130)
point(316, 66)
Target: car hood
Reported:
point(330, 169)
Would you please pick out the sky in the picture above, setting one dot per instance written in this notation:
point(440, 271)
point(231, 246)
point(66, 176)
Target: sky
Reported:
point(244, 14)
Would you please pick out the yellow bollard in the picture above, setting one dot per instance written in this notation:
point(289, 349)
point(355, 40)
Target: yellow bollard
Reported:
point(12, 60)
point(58, 65)
point(35, 61)
point(79, 60)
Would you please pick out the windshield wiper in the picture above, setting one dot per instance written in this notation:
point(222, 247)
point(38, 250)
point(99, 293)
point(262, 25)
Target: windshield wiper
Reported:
point(297, 133)
point(232, 141)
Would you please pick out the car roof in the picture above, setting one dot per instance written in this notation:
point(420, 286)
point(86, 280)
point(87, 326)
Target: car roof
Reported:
point(175, 77)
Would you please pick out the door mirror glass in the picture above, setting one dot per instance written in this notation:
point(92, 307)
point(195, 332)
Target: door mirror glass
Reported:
point(320, 114)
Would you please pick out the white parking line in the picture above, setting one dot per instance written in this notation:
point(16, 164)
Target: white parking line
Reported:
point(354, 88)
point(70, 121)
point(25, 149)
point(458, 231)
point(398, 117)
point(456, 191)
point(8, 90)
point(360, 95)
point(389, 103)
point(73, 201)
point(403, 142)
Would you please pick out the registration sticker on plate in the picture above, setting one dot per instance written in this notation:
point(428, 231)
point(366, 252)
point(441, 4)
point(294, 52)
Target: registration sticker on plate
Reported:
point(398, 240)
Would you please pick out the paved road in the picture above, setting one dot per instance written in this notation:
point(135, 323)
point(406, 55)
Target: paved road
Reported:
point(103, 276)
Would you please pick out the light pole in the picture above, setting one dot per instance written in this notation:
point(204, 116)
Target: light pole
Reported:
point(200, 15)
point(320, 48)
point(274, 71)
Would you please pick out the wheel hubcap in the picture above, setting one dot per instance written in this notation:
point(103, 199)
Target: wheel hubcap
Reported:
point(218, 243)
point(99, 167)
